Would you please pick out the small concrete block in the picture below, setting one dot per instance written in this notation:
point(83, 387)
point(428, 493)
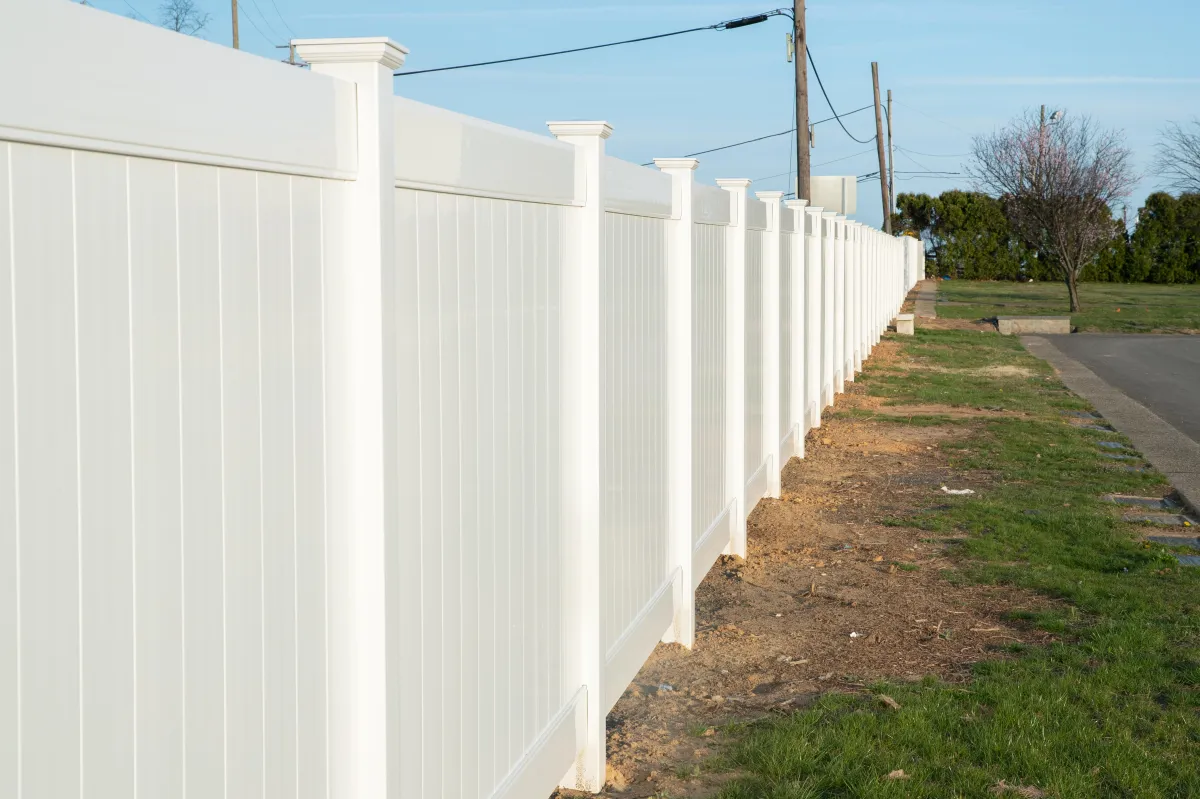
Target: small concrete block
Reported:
point(1083, 414)
point(1114, 456)
point(1019, 325)
point(904, 324)
point(1095, 427)
point(1154, 503)
point(1110, 444)
point(1174, 541)
point(1160, 519)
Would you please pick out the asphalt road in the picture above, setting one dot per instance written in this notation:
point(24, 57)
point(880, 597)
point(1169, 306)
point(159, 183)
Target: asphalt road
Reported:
point(1160, 372)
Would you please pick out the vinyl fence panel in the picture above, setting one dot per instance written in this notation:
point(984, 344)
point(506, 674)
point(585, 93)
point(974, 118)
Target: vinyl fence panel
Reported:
point(357, 447)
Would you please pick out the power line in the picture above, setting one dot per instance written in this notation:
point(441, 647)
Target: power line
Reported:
point(768, 136)
point(830, 104)
point(254, 25)
point(823, 163)
point(909, 175)
point(728, 24)
point(935, 119)
point(933, 155)
point(136, 12)
point(269, 26)
point(284, 21)
point(915, 161)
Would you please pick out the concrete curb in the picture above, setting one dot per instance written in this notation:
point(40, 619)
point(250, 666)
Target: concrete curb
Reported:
point(1170, 451)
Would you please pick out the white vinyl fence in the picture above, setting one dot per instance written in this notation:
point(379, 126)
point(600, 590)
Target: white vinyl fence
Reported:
point(357, 448)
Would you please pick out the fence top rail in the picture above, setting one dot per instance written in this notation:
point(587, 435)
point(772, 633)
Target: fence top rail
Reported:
point(200, 103)
point(787, 220)
point(638, 190)
point(440, 150)
point(710, 205)
point(756, 214)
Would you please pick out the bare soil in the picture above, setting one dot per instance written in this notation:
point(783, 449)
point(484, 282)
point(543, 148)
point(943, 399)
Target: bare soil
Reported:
point(829, 599)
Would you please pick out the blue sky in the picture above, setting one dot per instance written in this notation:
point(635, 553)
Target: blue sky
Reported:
point(956, 68)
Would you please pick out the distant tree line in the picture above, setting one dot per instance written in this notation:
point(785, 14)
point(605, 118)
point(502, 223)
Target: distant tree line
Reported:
point(967, 234)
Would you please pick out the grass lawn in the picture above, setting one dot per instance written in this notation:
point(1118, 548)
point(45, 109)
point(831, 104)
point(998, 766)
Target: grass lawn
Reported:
point(1144, 307)
point(1112, 709)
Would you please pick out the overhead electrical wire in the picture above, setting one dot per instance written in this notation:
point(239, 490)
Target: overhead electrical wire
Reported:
point(729, 24)
point(137, 13)
point(768, 136)
point(915, 161)
point(932, 155)
point(278, 36)
point(828, 102)
point(823, 163)
point(931, 116)
point(284, 21)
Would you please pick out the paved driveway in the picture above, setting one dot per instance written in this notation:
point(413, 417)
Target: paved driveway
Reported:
point(1161, 372)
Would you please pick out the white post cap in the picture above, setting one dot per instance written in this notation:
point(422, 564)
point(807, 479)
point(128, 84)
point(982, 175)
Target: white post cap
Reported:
point(676, 163)
point(370, 50)
point(580, 128)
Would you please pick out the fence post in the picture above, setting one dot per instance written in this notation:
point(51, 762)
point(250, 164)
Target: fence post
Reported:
point(359, 359)
point(679, 396)
point(770, 326)
point(814, 311)
point(853, 310)
point(861, 233)
point(839, 304)
point(798, 370)
point(584, 259)
point(735, 363)
point(828, 247)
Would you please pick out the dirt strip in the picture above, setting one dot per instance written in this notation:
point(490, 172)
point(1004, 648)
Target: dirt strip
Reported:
point(829, 599)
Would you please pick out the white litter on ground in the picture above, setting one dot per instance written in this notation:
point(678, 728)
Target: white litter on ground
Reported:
point(958, 492)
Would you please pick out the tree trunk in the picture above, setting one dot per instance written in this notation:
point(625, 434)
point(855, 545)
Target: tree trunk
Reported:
point(1073, 290)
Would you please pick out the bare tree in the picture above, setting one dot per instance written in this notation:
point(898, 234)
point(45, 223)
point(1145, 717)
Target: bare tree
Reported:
point(1178, 161)
point(1058, 183)
point(183, 16)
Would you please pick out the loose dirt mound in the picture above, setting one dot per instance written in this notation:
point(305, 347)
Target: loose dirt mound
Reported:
point(829, 599)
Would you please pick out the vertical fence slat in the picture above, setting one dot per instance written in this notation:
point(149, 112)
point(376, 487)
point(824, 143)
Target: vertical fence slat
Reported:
point(735, 360)
point(279, 484)
point(242, 481)
point(106, 475)
point(10, 581)
point(308, 331)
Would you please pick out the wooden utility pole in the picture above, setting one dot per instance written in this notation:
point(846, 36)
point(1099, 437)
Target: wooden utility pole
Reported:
point(891, 156)
point(803, 145)
point(883, 170)
point(235, 29)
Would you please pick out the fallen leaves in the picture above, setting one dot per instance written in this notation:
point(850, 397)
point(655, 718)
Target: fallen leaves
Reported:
point(887, 700)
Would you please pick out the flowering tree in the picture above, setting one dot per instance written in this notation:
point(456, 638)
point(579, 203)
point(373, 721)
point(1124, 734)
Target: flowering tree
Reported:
point(1058, 182)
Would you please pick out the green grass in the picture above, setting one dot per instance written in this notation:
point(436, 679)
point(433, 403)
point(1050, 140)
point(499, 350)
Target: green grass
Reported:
point(1144, 307)
point(1112, 709)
